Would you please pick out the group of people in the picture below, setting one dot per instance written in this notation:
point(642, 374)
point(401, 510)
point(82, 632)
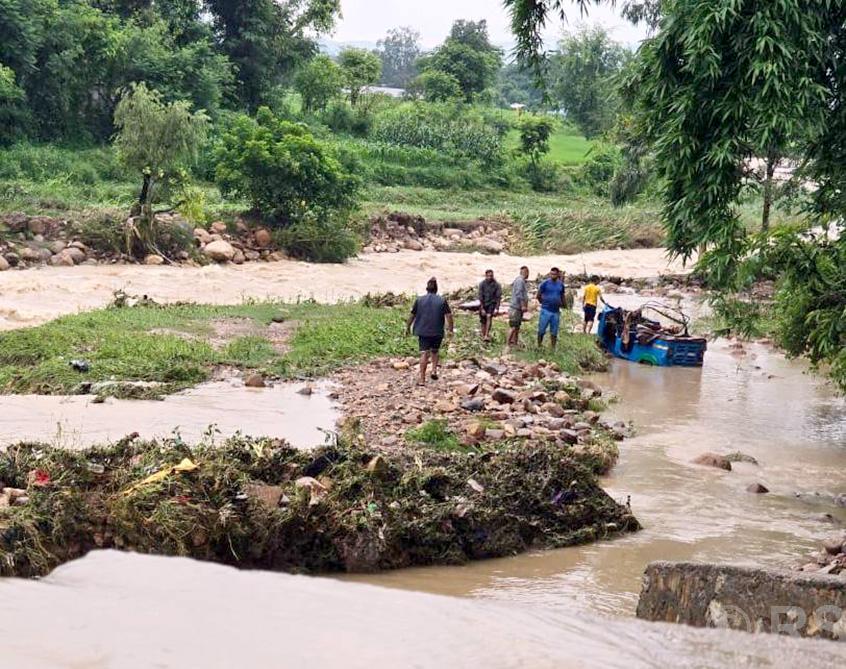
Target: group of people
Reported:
point(431, 316)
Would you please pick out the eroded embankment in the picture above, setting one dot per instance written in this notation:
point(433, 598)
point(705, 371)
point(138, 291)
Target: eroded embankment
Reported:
point(262, 504)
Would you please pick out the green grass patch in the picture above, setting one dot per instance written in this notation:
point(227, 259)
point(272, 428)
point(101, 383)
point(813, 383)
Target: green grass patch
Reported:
point(435, 434)
point(566, 147)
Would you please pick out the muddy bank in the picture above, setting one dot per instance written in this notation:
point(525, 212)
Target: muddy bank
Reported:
point(34, 297)
point(263, 504)
point(176, 620)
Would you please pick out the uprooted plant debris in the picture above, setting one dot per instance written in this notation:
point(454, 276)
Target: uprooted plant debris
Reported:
point(262, 504)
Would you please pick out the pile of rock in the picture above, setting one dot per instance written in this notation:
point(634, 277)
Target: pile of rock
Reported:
point(38, 240)
point(831, 559)
point(238, 244)
point(486, 401)
point(400, 231)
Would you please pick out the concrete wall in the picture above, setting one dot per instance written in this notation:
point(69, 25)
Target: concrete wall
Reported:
point(744, 598)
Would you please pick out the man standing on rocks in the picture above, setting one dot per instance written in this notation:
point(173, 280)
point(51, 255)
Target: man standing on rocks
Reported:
point(551, 298)
point(518, 306)
point(490, 295)
point(428, 315)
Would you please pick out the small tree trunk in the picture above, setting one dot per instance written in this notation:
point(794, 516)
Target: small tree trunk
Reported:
point(768, 193)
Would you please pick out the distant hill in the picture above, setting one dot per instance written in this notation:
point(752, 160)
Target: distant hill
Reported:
point(333, 48)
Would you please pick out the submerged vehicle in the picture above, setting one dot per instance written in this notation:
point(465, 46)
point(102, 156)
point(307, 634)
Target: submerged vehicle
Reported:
point(631, 335)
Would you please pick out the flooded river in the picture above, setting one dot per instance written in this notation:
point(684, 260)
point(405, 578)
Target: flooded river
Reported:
point(566, 608)
point(219, 409)
point(35, 296)
point(758, 403)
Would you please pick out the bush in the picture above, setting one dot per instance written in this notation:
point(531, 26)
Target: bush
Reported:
point(319, 239)
point(342, 118)
point(284, 172)
point(543, 176)
point(598, 171)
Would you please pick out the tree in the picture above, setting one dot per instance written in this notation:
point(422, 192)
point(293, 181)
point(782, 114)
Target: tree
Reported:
point(535, 132)
point(12, 109)
point(360, 68)
point(268, 39)
point(158, 141)
point(399, 51)
point(467, 55)
point(318, 82)
point(436, 86)
point(582, 77)
point(515, 84)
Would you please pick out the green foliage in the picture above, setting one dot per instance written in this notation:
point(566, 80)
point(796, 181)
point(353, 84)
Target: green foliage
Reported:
point(455, 131)
point(291, 178)
point(597, 173)
point(12, 108)
point(319, 238)
point(267, 40)
point(156, 140)
point(318, 82)
point(535, 132)
point(341, 118)
point(582, 79)
point(467, 55)
point(436, 86)
point(434, 434)
point(399, 51)
point(360, 68)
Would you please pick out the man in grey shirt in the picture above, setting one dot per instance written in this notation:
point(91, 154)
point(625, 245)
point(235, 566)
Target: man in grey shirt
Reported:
point(518, 306)
point(428, 315)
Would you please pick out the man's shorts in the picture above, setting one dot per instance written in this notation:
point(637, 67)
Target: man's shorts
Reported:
point(489, 310)
point(549, 320)
point(590, 312)
point(430, 343)
point(515, 318)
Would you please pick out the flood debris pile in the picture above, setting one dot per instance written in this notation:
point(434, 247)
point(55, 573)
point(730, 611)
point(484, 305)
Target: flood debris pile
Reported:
point(482, 403)
point(396, 231)
point(263, 504)
point(830, 559)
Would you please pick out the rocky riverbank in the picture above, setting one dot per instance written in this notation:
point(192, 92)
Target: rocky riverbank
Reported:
point(479, 403)
point(31, 241)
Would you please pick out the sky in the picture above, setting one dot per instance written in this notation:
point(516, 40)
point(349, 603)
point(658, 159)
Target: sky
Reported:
point(369, 20)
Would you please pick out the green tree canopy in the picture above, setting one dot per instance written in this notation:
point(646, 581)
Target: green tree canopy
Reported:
point(360, 68)
point(156, 139)
point(467, 55)
point(436, 86)
point(399, 51)
point(318, 82)
point(582, 78)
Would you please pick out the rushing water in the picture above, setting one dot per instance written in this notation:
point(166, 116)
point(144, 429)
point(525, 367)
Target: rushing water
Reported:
point(222, 407)
point(34, 296)
point(758, 403)
point(116, 610)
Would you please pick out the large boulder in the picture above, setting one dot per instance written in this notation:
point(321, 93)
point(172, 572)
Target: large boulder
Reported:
point(263, 237)
point(4, 264)
point(219, 251)
point(713, 460)
point(76, 254)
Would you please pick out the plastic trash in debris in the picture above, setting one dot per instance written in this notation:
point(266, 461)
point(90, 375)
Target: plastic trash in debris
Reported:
point(80, 365)
point(185, 466)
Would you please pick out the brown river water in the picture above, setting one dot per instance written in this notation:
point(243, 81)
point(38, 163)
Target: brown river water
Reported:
point(570, 607)
point(37, 295)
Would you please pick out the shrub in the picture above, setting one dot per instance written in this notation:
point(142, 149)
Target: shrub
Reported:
point(543, 176)
point(319, 239)
point(284, 172)
point(342, 118)
point(597, 172)
point(436, 86)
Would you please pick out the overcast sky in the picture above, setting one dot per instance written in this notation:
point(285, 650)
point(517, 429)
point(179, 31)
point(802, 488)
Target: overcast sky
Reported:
point(369, 20)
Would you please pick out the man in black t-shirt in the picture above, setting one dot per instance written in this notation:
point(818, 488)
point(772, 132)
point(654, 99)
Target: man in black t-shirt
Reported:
point(428, 315)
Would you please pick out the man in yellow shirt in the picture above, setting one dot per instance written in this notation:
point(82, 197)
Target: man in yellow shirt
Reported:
point(590, 299)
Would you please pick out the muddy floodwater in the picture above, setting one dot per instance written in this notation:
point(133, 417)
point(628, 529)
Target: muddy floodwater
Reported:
point(131, 611)
point(35, 296)
point(220, 409)
point(792, 422)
